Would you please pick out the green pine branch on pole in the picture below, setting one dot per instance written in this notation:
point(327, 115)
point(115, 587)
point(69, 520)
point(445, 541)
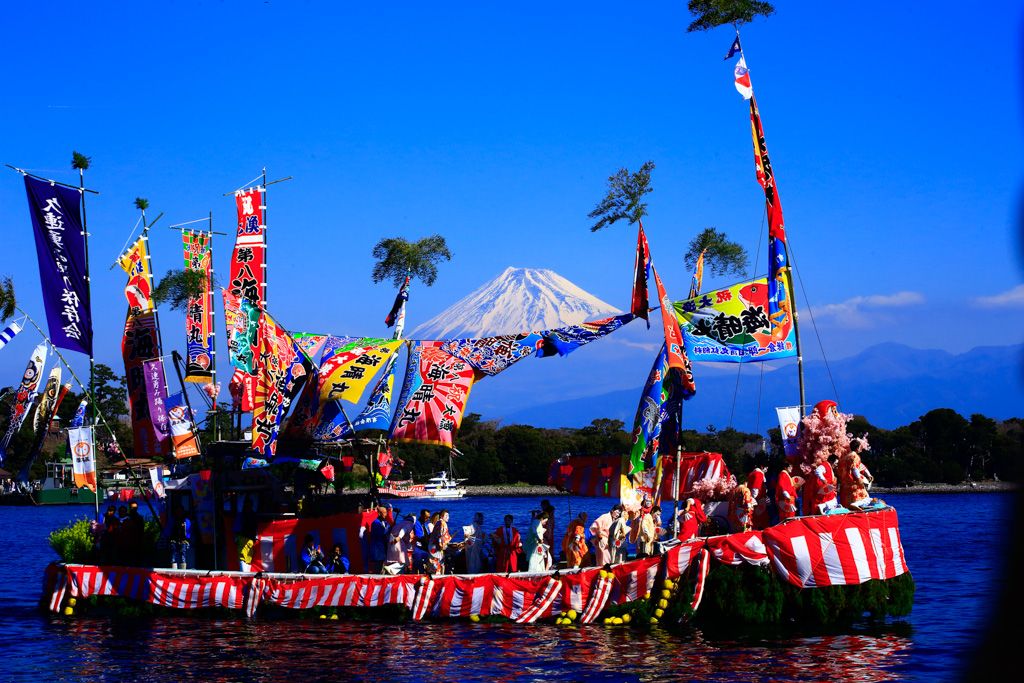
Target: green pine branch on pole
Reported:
point(80, 162)
point(713, 13)
point(398, 257)
point(624, 199)
point(722, 256)
point(141, 203)
point(178, 286)
point(8, 302)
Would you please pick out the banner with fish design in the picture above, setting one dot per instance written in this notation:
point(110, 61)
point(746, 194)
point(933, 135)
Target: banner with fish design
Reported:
point(242, 318)
point(347, 371)
point(376, 414)
point(199, 356)
point(25, 396)
point(434, 395)
point(63, 270)
point(47, 401)
point(651, 414)
point(565, 340)
point(139, 288)
point(732, 325)
point(491, 355)
point(183, 434)
point(284, 370)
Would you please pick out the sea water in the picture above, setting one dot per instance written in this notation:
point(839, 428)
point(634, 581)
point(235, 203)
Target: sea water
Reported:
point(957, 567)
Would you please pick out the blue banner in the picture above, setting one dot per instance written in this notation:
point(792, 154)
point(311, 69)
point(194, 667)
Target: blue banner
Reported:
point(60, 246)
point(377, 412)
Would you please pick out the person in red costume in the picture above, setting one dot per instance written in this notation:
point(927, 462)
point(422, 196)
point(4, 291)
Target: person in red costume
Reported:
point(507, 545)
point(757, 482)
point(825, 497)
point(785, 493)
point(690, 518)
point(741, 508)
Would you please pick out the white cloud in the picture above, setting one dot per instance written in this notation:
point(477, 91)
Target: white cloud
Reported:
point(854, 312)
point(1011, 297)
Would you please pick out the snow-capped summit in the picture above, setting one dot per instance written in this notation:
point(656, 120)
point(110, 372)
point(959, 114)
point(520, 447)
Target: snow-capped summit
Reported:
point(518, 300)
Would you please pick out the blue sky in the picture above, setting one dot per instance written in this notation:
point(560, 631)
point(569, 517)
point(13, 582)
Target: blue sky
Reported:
point(895, 135)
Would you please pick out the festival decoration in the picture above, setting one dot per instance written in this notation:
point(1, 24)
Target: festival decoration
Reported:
point(396, 317)
point(565, 340)
point(199, 356)
point(182, 429)
point(63, 271)
point(47, 401)
point(434, 395)
point(491, 355)
point(346, 372)
point(156, 398)
point(242, 317)
point(24, 397)
point(376, 414)
point(732, 325)
point(640, 305)
point(83, 457)
point(282, 372)
point(9, 333)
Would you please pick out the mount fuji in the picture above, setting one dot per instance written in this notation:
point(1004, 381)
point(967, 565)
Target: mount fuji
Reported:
point(518, 300)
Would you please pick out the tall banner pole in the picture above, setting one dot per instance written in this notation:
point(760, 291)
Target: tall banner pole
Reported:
point(213, 339)
point(88, 288)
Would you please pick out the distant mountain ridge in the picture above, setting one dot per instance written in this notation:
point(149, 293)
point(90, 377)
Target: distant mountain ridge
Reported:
point(890, 384)
point(517, 300)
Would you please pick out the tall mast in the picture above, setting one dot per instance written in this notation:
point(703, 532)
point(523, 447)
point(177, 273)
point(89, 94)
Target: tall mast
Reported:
point(213, 339)
point(81, 162)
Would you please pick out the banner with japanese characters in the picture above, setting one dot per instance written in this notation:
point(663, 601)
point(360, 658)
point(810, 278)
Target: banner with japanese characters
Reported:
point(284, 371)
point(345, 373)
point(434, 395)
point(139, 288)
point(83, 457)
point(156, 399)
point(63, 271)
point(198, 313)
point(183, 433)
point(732, 325)
point(243, 321)
point(248, 260)
point(138, 345)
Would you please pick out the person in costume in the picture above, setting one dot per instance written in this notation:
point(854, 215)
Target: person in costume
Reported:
point(646, 531)
point(401, 540)
point(574, 544)
point(538, 552)
point(438, 543)
point(785, 492)
point(741, 508)
point(757, 482)
point(690, 518)
point(312, 557)
point(854, 480)
point(825, 497)
point(379, 530)
point(507, 544)
point(599, 530)
point(618, 532)
point(476, 550)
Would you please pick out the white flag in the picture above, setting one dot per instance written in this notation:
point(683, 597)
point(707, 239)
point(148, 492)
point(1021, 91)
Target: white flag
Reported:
point(789, 423)
point(9, 333)
point(743, 79)
point(83, 457)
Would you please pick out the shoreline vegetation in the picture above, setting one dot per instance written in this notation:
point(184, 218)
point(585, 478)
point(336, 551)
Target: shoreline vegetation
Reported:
point(512, 490)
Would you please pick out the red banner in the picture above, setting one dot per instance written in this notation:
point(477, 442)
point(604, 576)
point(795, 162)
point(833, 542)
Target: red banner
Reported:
point(765, 175)
point(434, 395)
point(199, 312)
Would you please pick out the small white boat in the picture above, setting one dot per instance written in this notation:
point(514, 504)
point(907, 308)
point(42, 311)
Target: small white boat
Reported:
point(443, 486)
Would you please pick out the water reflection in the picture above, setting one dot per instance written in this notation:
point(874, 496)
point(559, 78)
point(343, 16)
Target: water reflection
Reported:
point(187, 648)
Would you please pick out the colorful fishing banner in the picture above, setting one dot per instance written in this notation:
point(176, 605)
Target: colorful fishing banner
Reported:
point(283, 372)
point(78, 419)
point(333, 424)
point(732, 325)
point(677, 359)
point(9, 333)
point(345, 373)
point(311, 344)
point(491, 355)
point(156, 479)
point(248, 260)
point(199, 356)
point(25, 396)
point(376, 414)
point(243, 323)
point(182, 429)
point(63, 271)
point(138, 345)
point(564, 340)
point(83, 457)
point(156, 399)
point(649, 417)
point(698, 276)
point(641, 272)
point(789, 426)
point(139, 288)
point(434, 395)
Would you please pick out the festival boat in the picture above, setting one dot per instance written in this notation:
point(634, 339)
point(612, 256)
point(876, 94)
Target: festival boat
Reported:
point(253, 502)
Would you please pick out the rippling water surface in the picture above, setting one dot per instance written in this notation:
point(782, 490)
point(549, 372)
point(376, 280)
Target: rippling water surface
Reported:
point(954, 599)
